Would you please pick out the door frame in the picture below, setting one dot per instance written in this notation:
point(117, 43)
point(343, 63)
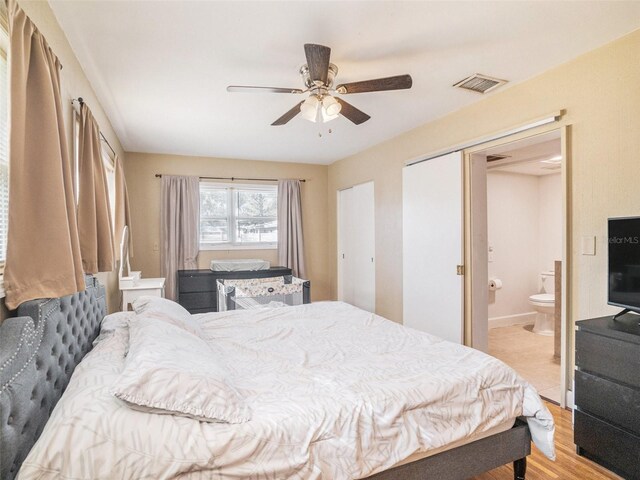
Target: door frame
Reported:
point(470, 257)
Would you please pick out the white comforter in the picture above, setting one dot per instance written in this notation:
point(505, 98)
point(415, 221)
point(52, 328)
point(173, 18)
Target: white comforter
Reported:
point(335, 392)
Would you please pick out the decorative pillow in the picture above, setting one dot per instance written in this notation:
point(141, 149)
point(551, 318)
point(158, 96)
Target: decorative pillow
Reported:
point(169, 370)
point(167, 311)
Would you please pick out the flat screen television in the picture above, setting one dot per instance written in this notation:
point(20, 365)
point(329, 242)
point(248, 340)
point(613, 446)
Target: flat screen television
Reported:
point(624, 263)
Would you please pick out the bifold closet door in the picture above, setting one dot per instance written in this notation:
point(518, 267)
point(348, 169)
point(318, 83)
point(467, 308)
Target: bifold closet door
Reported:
point(345, 235)
point(356, 246)
point(432, 232)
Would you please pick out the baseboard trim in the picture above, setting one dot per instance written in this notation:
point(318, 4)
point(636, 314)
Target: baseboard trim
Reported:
point(528, 318)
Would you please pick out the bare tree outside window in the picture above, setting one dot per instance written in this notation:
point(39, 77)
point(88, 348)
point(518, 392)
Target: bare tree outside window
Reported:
point(238, 215)
point(256, 216)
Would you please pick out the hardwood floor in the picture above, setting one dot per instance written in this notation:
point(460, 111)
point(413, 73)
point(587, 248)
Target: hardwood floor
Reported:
point(568, 464)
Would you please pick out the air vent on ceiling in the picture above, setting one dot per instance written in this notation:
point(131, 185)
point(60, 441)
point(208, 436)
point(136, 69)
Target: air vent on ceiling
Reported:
point(495, 158)
point(480, 83)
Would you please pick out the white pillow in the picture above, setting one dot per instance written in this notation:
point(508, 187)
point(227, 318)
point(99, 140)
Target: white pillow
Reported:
point(168, 311)
point(169, 370)
point(113, 322)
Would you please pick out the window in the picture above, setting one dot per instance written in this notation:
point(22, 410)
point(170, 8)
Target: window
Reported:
point(4, 140)
point(238, 216)
point(110, 174)
point(107, 161)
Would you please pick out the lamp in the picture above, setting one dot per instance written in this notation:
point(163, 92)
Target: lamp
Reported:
point(331, 106)
point(313, 109)
point(326, 117)
point(309, 108)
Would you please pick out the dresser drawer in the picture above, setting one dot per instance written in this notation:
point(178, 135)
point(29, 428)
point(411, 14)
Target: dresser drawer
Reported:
point(193, 311)
point(609, 357)
point(607, 444)
point(196, 283)
point(198, 301)
point(611, 401)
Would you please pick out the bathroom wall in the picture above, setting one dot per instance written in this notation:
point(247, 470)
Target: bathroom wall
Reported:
point(525, 231)
point(550, 221)
point(512, 227)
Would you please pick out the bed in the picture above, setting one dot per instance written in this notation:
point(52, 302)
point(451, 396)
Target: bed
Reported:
point(91, 434)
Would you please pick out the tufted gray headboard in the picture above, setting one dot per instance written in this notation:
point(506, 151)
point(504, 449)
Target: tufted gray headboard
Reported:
point(39, 349)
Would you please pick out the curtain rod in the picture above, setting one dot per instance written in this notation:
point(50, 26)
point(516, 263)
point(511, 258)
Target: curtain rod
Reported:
point(104, 139)
point(159, 175)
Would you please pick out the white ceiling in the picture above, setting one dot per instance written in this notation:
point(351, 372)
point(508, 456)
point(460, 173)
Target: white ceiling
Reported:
point(161, 68)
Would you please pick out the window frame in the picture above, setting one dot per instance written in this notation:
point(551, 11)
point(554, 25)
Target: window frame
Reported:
point(4, 46)
point(232, 218)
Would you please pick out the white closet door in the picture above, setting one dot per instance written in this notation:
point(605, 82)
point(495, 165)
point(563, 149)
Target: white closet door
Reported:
point(363, 246)
point(356, 246)
point(345, 240)
point(432, 246)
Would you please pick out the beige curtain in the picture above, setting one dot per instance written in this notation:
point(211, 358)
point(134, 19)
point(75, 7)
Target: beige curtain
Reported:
point(94, 214)
point(179, 221)
point(290, 241)
point(43, 250)
point(123, 215)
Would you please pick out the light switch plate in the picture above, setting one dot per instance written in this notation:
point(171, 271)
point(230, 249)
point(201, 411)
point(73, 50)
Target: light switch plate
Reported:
point(588, 245)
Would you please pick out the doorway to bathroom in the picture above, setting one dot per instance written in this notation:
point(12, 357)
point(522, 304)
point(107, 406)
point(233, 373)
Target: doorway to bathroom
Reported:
point(525, 246)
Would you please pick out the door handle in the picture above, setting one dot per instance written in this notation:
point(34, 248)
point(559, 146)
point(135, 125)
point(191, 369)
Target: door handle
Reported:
point(459, 269)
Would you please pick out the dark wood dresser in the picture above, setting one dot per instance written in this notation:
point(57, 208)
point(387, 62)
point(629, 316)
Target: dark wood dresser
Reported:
point(197, 291)
point(607, 393)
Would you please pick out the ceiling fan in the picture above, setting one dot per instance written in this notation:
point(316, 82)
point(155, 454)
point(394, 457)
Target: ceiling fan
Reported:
point(318, 76)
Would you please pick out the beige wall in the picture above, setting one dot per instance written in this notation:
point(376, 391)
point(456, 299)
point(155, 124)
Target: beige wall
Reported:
point(600, 93)
point(144, 196)
point(75, 84)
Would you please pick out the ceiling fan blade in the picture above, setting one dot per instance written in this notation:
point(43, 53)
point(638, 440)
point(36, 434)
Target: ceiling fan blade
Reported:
point(352, 113)
point(287, 116)
point(317, 62)
point(246, 89)
point(399, 82)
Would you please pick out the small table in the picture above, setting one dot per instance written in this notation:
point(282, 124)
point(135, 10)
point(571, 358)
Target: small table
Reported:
point(143, 286)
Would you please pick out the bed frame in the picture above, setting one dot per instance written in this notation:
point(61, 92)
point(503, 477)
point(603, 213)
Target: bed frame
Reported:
point(472, 459)
point(40, 348)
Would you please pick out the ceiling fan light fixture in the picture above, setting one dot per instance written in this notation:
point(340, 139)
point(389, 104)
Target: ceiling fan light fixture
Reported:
point(318, 75)
point(326, 117)
point(331, 106)
point(309, 108)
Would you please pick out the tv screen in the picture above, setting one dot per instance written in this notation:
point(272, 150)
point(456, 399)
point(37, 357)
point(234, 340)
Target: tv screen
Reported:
point(624, 262)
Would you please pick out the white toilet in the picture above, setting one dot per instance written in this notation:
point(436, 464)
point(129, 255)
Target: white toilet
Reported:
point(544, 304)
